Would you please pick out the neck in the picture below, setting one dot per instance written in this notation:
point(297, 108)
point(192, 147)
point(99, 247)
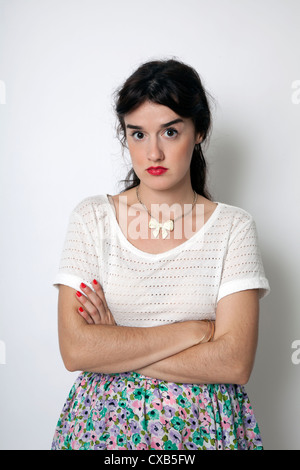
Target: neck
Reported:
point(153, 198)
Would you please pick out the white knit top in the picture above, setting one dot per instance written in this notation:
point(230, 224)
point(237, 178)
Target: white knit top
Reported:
point(183, 283)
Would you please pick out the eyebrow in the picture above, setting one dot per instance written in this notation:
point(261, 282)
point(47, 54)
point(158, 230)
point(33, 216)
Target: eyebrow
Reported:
point(167, 124)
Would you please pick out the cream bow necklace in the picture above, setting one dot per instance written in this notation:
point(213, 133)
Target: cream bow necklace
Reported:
point(167, 226)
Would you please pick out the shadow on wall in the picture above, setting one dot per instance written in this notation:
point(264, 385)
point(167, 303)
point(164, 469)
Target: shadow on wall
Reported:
point(272, 383)
point(227, 169)
point(229, 178)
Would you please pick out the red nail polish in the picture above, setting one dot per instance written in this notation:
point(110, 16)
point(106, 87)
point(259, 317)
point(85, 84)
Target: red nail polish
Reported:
point(80, 309)
point(79, 294)
point(94, 281)
point(83, 285)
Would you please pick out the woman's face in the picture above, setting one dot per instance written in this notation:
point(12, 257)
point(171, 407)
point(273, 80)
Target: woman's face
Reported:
point(157, 136)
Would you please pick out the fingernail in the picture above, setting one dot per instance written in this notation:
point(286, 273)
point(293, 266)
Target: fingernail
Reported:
point(79, 294)
point(80, 309)
point(94, 281)
point(83, 285)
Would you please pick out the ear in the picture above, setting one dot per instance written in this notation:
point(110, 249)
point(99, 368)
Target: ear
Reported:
point(199, 138)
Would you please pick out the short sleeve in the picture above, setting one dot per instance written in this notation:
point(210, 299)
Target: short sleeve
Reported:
point(79, 260)
point(243, 268)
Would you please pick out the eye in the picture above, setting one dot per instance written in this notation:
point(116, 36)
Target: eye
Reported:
point(171, 132)
point(138, 135)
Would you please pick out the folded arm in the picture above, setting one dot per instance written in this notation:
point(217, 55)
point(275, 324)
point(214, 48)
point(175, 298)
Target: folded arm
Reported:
point(92, 341)
point(229, 358)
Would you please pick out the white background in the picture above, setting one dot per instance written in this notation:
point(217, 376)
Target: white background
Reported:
point(60, 62)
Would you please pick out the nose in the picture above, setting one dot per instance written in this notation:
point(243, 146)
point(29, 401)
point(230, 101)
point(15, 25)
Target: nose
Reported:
point(154, 151)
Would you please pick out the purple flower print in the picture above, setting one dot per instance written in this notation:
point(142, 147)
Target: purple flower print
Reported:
point(225, 440)
point(101, 446)
point(191, 446)
point(111, 405)
point(118, 387)
point(114, 430)
point(156, 428)
point(99, 404)
point(80, 392)
point(169, 411)
point(131, 411)
point(193, 422)
point(195, 411)
point(99, 426)
point(87, 402)
point(135, 427)
point(175, 389)
point(86, 436)
point(122, 417)
point(66, 427)
point(159, 392)
point(250, 422)
point(175, 436)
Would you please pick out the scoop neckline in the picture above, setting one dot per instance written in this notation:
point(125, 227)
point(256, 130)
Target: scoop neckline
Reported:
point(166, 253)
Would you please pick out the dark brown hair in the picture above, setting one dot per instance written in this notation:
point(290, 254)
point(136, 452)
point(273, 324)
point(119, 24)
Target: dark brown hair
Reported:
point(176, 85)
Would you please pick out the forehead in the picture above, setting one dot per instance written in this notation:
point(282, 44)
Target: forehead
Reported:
point(149, 112)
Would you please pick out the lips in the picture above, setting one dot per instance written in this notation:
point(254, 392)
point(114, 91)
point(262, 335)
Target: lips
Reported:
point(156, 170)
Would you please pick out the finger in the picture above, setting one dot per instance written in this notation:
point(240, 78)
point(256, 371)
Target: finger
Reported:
point(94, 307)
point(91, 294)
point(85, 315)
point(98, 288)
point(98, 300)
point(108, 318)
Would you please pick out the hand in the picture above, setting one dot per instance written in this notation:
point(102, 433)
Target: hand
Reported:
point(95, 311)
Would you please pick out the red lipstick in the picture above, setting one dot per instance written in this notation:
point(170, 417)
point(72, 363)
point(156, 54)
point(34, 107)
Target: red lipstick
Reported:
point(156, 170)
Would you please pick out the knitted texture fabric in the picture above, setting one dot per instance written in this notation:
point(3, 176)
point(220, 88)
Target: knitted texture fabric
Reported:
point(183, 283)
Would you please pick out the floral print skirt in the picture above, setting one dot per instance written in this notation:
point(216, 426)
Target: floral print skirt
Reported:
point(132, 412)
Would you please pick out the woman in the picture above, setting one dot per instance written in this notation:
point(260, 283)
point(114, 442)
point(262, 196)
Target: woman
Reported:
point(159, 289)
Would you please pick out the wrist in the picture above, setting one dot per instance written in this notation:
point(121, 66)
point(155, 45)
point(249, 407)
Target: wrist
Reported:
point(211, 331)
point(208, 333)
